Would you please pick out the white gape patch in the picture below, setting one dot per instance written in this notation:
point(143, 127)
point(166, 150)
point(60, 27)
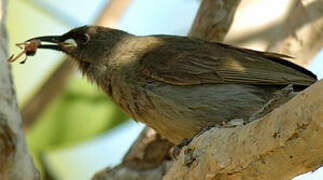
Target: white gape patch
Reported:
point(69, 43)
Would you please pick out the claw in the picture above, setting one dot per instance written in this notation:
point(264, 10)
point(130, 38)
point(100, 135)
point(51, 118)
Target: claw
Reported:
point(177, 148)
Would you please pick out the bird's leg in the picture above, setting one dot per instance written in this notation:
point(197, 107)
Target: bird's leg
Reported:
point(229, 124)
point(280, 97)
point(177, 148)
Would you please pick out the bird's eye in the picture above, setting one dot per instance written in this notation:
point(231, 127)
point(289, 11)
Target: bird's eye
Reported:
point(84, 38)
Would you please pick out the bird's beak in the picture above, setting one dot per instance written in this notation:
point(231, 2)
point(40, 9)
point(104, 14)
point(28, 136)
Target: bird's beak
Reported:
point(58, 42)
point(50, 39)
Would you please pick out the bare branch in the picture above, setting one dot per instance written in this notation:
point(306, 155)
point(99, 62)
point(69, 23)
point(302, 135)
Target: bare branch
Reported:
point(112, 12)
point(281, 145)
point(147, 159)
point(15, 161)
point(214, 19)
point(298, 35)
point(148, 151)
point(301, 33)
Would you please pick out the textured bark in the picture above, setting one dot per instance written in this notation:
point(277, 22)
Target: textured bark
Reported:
point(15, 161)
point(281, 145)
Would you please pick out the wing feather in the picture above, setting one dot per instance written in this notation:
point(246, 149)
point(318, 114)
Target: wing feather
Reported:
point(185, 61)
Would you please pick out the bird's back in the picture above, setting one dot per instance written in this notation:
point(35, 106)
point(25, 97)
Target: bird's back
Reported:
point(179, 85)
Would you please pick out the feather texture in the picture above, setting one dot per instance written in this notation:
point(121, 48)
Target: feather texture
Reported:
point(181, 61)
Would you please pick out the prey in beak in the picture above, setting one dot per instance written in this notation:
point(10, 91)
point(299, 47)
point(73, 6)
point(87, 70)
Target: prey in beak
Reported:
point(43, 42)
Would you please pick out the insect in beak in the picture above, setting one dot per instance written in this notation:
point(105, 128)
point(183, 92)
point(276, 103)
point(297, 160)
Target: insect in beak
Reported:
point(30, 46)
point(29, 49)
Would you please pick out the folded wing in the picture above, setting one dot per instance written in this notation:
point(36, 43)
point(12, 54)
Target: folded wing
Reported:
point(184, 61)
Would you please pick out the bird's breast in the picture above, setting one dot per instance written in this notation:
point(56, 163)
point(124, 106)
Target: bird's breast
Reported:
point(179, 112)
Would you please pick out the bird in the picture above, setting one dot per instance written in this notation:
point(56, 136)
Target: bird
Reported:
point(177, 85)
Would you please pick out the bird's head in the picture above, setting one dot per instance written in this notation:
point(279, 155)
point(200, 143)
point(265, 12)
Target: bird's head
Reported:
point(89, 46)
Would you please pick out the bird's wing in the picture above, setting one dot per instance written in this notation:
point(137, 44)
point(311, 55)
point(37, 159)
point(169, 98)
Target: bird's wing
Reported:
point(208, 62)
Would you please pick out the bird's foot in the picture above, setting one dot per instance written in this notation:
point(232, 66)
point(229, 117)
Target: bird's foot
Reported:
point(177, 148)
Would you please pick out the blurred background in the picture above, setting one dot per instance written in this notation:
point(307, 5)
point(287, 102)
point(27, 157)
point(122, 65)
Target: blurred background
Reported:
point(72, 128)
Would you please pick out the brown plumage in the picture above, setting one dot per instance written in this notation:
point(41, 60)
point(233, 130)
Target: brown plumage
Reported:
point(178, 85)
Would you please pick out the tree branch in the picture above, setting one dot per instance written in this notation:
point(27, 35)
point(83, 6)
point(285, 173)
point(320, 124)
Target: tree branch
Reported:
point(298, 35)
point(214, 19)
point(281, 145)
point(301, 32)
point(147, 159)
point(112, 13)
point(15, 161)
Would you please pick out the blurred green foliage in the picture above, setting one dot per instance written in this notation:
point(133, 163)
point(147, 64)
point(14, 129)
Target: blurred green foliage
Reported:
point(80, 112)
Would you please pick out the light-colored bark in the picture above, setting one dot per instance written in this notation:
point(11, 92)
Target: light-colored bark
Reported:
point(300, 35)
point(281, 145)
point(213, 19)
point(15, 161)
point(296, 32)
